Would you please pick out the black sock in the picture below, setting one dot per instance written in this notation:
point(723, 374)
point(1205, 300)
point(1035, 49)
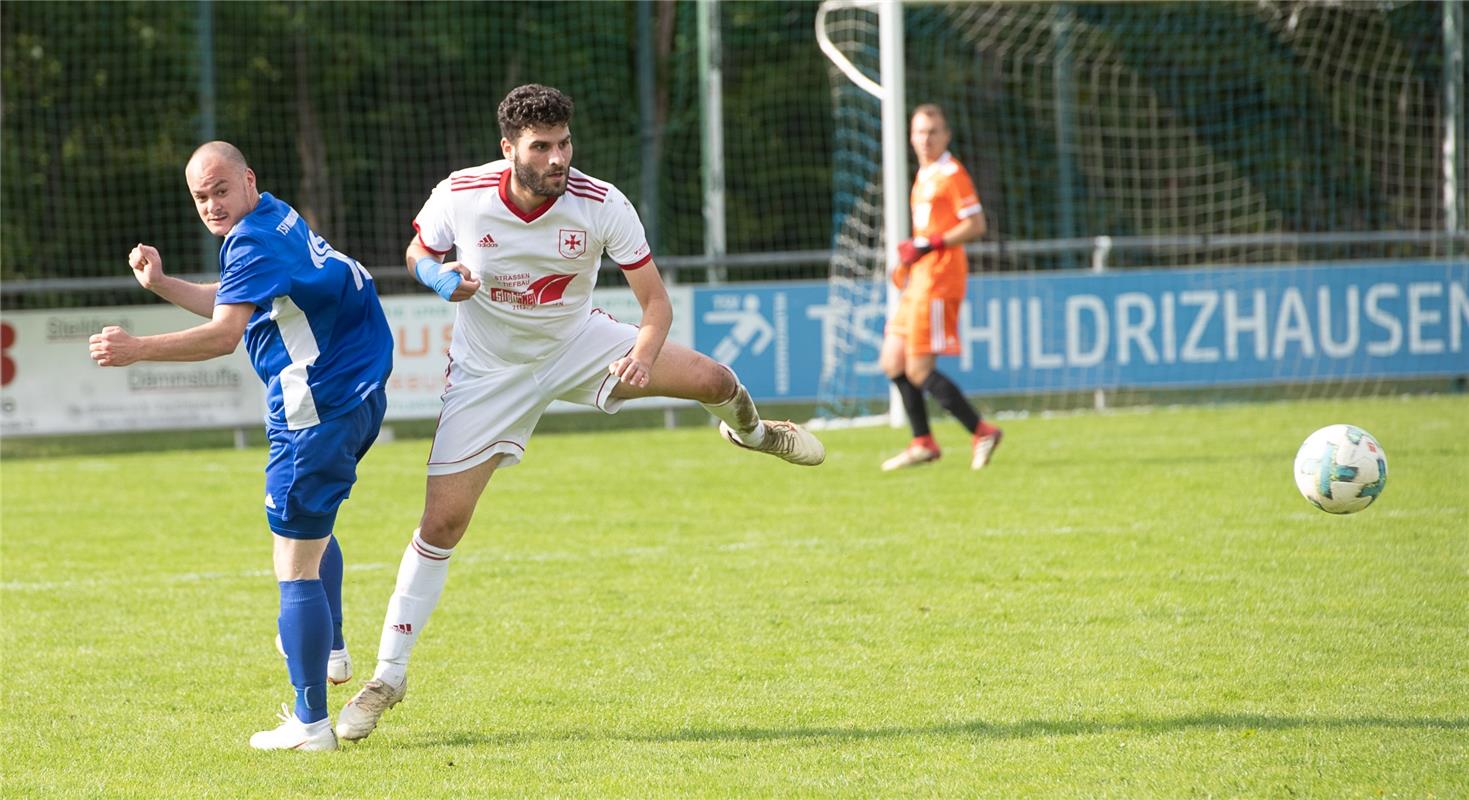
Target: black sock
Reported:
point(913, 404)
point(953, 401)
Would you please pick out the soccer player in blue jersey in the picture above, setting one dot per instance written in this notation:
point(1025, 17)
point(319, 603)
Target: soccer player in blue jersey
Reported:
point(316, 334)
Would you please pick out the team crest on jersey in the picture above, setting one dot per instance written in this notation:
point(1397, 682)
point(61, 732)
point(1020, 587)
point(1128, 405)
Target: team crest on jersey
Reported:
point(571, 243)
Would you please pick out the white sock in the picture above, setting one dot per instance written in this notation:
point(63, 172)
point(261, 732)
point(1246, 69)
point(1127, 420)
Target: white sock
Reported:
point(318, 726)
point(740, 414)
point(421, 577)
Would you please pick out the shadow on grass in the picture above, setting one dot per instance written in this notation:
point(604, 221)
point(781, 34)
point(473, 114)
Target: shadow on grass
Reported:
point(977, 729)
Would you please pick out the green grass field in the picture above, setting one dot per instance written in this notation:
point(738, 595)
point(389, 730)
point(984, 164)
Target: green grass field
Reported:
point(1125, 605)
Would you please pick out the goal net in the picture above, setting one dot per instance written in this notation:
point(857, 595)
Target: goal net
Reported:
point(1238, 177)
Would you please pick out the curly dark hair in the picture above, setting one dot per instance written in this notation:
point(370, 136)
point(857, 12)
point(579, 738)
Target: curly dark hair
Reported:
point(533, 106)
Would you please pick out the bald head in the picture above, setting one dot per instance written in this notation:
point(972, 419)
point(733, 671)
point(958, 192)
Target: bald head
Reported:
point(219, 151)
point(222, 184)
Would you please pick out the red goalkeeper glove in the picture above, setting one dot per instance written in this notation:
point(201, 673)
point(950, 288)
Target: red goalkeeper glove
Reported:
point(916, 248)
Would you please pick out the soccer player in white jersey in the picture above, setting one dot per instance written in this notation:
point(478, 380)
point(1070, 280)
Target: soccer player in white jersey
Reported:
point(530, 232)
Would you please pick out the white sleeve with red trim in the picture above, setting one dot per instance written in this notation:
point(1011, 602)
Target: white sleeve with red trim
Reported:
point(622, 232)
point(435, 221)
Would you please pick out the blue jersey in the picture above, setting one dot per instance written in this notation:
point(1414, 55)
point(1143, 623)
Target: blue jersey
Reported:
point(318, 337)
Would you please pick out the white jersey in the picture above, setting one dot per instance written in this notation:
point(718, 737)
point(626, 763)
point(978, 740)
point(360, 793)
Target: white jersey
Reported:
point(538, 267)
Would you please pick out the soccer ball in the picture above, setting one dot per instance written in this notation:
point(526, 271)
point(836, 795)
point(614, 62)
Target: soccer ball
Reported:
point(1341, 469)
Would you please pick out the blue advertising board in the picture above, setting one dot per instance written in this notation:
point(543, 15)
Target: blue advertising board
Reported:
point(1070, 331)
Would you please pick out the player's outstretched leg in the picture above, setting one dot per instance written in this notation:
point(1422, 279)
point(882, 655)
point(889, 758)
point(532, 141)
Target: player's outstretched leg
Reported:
point(691, 375)
point(741, 426)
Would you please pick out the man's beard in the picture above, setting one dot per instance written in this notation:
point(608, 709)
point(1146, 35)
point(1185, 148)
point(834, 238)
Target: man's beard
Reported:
point(538, 183)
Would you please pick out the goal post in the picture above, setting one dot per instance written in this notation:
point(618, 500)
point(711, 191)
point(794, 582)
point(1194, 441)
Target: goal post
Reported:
point(892, 100)
point(860, 267)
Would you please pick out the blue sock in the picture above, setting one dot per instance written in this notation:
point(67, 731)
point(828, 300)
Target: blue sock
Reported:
point(331, 579)
point(306, 636)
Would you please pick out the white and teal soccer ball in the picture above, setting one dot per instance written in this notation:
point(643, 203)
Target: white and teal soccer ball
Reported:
point(1341, 469)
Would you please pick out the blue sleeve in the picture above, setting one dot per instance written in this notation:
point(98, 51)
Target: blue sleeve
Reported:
point(251, 273)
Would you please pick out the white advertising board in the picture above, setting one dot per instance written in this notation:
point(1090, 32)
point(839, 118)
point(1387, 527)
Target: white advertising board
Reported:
point(51, 386)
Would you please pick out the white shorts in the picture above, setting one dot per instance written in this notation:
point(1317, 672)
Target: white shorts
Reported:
point(493, 413)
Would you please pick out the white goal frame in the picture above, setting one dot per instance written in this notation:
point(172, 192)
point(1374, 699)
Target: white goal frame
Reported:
point(894, 128)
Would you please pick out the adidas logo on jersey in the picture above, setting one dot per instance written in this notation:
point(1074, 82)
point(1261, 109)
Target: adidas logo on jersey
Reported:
point(405, 628)
point(488, 241)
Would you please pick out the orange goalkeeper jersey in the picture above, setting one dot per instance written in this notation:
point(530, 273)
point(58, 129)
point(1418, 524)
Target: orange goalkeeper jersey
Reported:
point(942, 195)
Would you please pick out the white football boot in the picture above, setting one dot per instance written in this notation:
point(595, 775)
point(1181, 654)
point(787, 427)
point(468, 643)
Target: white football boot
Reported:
point(359, 717)
point(915, 454)
point(986, 442)
point(783, 439)
point(338, 664)
point(293, 734)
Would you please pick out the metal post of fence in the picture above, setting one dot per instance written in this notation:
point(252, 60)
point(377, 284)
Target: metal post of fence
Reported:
point(1453, 96)
point(1064, 101)
point(648, 116)
point(711, 102)
point(204, 52)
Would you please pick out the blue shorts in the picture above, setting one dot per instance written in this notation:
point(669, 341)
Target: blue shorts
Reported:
point(311, 471)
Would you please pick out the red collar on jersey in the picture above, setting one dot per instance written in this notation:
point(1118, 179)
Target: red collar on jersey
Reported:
point(525, 216)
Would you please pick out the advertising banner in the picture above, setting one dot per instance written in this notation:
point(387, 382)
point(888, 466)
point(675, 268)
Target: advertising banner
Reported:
point(1040, 332)
point(1030, 333)
point(51, 386)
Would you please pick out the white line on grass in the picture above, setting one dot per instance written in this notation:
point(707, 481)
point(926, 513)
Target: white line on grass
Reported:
point(560, 556)
point(153, 580)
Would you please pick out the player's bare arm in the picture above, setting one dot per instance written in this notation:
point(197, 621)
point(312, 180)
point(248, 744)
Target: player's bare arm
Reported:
point(636, 368)
point(147, 267)
point(968, 229)
point(435, 277)
point(115, 347)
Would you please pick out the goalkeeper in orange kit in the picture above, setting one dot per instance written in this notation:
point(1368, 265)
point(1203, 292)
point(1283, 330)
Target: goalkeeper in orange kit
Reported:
point(932, 276)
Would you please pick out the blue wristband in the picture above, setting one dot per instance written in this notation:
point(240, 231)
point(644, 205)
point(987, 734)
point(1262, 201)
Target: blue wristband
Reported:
point(432, 274)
